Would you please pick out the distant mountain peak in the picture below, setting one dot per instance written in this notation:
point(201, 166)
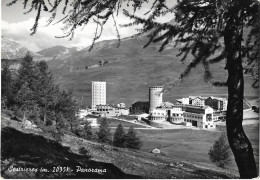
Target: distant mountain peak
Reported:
point(57, 51)
point(11, 49)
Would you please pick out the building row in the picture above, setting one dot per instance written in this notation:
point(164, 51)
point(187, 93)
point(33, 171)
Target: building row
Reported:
point(217, 103)
point(191, 115)
point(194, 111)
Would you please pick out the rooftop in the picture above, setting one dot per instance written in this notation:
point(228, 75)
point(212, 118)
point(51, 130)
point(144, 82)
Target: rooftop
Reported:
point(197, 107)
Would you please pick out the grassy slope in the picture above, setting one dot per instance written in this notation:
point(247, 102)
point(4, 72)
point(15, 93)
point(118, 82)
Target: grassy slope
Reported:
point(132, 69)
point(34, 149)
point(192, 145)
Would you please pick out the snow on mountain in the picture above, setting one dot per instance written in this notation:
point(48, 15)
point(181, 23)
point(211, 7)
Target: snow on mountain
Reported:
point(11, 49)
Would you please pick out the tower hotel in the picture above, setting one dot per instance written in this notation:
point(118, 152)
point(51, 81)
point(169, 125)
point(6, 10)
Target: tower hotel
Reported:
point(98, 93)
point(155, 96)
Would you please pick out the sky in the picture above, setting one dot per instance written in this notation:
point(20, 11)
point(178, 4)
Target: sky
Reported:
point(16, 25)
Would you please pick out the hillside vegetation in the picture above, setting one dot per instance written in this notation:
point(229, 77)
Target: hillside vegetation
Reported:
point(131, 69)
point(33, 149)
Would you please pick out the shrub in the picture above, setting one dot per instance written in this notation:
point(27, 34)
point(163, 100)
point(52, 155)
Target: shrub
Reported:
point(83, 151)
point(219, 153)
point(119, 136)
point(104, 135)
point(85, 132)
point(132, 141)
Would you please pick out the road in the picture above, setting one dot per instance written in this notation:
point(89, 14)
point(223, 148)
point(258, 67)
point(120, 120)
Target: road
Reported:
point(147, 126)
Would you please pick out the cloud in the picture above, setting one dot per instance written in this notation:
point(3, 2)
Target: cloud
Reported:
point(45, 36)
point(19, 30)
point(17, 26)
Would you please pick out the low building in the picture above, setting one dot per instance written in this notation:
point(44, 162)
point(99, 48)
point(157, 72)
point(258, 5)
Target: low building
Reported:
point(109, 110)
point(167, 111)
point(197, 100)
point(217, 103)
point(219, 116)
point(121, 111)
point(142, 116)
point(121, 105)
point(158, 114)
point(183, 101)
point(199, 116)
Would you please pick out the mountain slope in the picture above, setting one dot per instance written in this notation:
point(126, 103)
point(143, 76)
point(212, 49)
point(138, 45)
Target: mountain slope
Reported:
point(12, 50)
point(56, 51)
point(131, 69)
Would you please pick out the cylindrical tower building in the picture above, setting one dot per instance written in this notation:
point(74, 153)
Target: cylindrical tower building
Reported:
point(98, 93)
point(155, 96)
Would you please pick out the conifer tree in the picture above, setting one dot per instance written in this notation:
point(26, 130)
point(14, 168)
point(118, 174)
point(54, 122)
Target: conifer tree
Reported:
point(45, 91)
point(219, 153)
point(45, 84)
point(132, 141)
point(104, 135)
point(37, 96)
point(119, 136)
point(24, 98)
point(27, 73)
point(85, 132)
point(6, 86)
point(26, 102)
point(66, 105)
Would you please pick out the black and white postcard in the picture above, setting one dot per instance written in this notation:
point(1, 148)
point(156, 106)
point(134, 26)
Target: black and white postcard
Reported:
point(130, 89)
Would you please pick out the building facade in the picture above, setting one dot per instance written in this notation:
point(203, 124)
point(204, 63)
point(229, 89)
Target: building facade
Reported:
point(216, 103)
point(158, 114)
point(183, 101)
point(98, 93)
point(108, 110)
point(175, 114)
point(172, 113)
point(155, 96)
point(197, 101)
point(199, 116)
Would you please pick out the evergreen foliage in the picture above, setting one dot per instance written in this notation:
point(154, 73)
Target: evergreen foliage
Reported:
point(119, 137)
point(32, 94)
point(6, 86)
point(27, 73)
point(104, 135)
point(85, 132)
point(83, 151)
point(132, 141)
point(219, 153)
point(209, 30)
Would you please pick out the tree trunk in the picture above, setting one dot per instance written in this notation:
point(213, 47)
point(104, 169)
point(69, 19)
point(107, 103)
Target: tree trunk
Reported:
point(238, 141)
